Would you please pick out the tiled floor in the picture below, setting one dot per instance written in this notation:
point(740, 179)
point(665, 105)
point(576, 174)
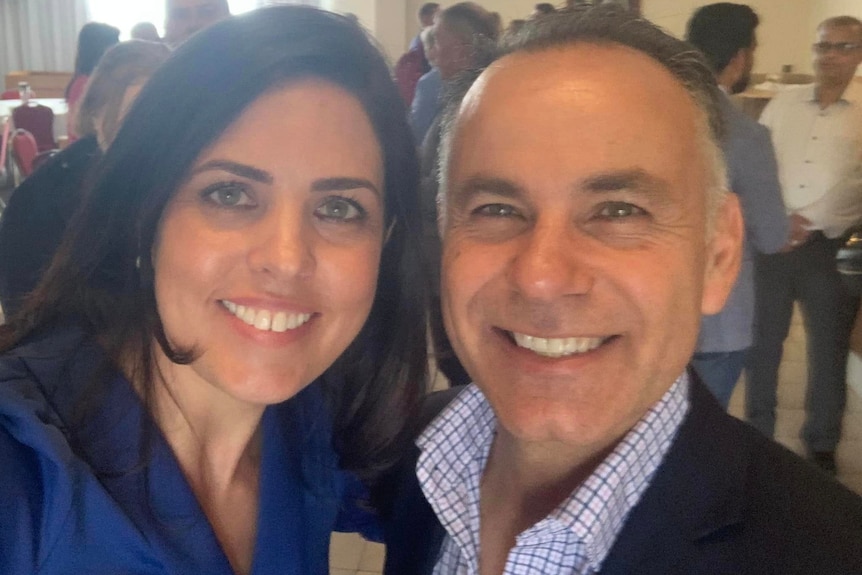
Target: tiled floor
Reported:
point(350, 555)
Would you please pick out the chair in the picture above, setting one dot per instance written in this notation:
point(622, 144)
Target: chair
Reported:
point(4, 145)
point(24, 151)
point(10, 95)
point(39, 121)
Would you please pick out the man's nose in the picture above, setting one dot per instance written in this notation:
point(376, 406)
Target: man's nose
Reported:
point(550, 264)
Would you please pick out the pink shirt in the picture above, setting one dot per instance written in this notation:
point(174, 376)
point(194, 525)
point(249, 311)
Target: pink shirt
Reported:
point(76, 90)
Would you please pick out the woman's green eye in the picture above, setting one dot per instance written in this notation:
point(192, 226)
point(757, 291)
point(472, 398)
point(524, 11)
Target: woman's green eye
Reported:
point(341, 209)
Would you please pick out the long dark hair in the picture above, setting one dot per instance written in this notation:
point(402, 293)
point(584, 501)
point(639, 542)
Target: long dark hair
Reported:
point(93, 39)
point(186, 105)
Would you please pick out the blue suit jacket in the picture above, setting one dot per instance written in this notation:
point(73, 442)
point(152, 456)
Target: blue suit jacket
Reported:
point(725, 500)
point(752, 175)
point(82, 496)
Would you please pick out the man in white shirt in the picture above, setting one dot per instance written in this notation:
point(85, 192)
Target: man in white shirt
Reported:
point(586, 228)
point(817, 135)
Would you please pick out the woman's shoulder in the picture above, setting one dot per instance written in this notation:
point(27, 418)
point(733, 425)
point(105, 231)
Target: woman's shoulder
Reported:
point(35, 489)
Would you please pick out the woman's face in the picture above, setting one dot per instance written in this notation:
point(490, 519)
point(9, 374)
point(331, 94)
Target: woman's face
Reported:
point(267, 256)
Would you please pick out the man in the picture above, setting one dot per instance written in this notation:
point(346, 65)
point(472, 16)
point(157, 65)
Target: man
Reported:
point(426, 14)
point(185, 17)
point(586, 228)
point(725, 34)
point(413, 64)
point(818, 142)
point(426, 100)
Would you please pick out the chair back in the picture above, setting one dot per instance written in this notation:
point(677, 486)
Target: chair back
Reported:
point(24, 150)
point(39, 121)
point(10, 95)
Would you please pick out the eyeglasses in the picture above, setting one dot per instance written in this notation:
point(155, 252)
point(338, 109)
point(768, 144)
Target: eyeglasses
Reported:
point(840, 47)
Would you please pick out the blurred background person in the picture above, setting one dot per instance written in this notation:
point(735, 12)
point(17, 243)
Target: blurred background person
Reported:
point(40, 208)
point(145, 31)
point(414, 63)
point(817, 134)
point(542, 9)
point(426, 100)
point(186, 17)
point(93, 39)
point(726, 34)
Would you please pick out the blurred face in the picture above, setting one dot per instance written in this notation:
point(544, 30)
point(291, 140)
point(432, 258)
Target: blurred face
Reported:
point(453, 54)
point(185, 17)
point(575, 258)
point(267, 256)
point(748, 64)
point(837, 54)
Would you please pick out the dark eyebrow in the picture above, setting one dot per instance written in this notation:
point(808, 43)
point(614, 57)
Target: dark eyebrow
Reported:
point(241, 170)
point(635, 180)
point(343, 184)
point(475, 185)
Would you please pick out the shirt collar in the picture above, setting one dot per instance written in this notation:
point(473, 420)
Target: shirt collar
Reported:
point(810, 95)
point(460, 437)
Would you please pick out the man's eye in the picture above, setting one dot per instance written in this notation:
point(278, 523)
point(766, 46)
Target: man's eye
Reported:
point(618, 210)
point(340, 209)
point(228, 194)
point(496, 211)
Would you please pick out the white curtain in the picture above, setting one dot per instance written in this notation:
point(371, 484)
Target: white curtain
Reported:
point(39, 34)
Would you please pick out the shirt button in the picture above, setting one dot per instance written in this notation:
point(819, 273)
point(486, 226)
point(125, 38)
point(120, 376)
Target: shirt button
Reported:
point(807, 161)
point(802, 186)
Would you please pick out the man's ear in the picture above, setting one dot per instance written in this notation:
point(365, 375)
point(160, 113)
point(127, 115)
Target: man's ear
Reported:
point(723, 254)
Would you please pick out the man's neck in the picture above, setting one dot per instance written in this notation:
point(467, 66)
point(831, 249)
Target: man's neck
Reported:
point(521, 485)
point(828, 94)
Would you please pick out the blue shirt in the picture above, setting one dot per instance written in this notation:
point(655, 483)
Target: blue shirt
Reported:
point(82, 496)
point(426, 104)
point(577, 536)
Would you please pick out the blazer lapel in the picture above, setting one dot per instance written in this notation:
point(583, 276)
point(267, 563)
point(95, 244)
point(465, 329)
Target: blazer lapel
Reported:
point(694, 504)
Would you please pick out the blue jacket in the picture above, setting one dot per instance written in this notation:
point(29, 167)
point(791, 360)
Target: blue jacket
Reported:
point(752, 174)
point(82, 496)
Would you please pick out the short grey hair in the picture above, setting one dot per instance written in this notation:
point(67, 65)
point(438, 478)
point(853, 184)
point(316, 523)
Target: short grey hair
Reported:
point(608, 25)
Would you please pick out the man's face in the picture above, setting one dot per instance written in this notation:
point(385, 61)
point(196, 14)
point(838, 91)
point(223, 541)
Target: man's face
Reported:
point(834, 63)
point(185, 17)
point(576, 263)
point(453, 53)
point(748, 61)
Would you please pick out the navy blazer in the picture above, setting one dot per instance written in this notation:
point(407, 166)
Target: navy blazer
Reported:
point(725, 500)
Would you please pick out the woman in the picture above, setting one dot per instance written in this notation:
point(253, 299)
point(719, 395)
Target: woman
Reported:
point(231, 333)
point(40, 208)
point(93, 40)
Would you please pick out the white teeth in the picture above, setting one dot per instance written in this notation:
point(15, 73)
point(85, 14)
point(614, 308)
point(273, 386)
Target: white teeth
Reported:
point(557, 346)
point(265, 320)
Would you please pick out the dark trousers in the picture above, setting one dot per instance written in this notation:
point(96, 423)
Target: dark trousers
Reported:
point(807, 275)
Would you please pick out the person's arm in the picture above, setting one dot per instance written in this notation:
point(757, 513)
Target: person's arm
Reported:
point(754, 177)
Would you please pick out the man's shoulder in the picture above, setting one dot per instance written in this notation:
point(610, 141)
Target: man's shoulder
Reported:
point(729, 499)
point(742, 129)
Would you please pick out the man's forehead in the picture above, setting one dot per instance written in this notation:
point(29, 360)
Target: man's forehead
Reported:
point(840, 30)
point(572, 73)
